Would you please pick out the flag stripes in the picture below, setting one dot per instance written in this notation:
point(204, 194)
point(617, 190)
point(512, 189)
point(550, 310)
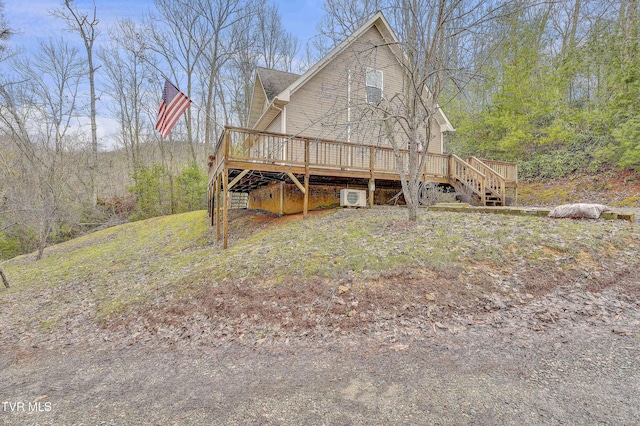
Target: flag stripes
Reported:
point(174, 103)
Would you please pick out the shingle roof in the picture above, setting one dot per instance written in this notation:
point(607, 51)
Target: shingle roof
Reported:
point(275, 81)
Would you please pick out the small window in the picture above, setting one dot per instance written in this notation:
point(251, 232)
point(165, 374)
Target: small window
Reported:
point(374, 86)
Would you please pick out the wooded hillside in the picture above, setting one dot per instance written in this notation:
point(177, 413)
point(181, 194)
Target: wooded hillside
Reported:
point(560, 91)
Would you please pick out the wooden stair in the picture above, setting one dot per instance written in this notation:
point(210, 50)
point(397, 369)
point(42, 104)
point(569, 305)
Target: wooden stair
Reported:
point(483, 185)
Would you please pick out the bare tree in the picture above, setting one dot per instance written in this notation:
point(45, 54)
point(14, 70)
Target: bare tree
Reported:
point(234, 82)
point(5, 34)
point(36, 116)
point(342, 18)
point(261, 41)
point(429, 36)
point(171, 35)
point(277, 47)
point(86, 25)
point(225, 21)
point(127, 71)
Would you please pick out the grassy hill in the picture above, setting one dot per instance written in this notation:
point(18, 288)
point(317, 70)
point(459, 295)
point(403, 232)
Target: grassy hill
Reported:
point(337, 270)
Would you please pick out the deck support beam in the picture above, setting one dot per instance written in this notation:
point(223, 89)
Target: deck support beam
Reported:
point(305, 202)
point(237, 178)
point(225, 208)
point(372, 190)
point(305, 191)
point(211, 204)
point(217, 207)
point(282, 198)
point(296, 181)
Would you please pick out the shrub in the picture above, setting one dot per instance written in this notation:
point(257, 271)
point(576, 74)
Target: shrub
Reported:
point(17, 240)
point(152, 188)
point(554, 165)
point(158, 194)
point(191, 189)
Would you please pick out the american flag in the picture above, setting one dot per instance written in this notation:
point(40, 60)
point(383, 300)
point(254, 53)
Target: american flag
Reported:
point(174, 103)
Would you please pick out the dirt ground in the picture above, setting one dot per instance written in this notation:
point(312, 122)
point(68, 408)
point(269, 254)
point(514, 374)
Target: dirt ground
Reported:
point(570, 357)
point(553, 346)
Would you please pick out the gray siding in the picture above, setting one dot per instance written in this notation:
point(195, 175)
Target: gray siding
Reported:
point(325, 108)
point(276, 125)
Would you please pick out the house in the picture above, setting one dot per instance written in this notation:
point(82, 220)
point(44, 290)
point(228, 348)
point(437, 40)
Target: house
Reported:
point(312, 135)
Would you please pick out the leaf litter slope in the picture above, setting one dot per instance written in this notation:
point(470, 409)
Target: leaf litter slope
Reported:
point(338, 272)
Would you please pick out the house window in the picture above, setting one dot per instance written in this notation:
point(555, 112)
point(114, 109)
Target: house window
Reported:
point(374, 86)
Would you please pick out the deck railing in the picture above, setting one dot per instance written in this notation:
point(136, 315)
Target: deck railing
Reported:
point(437, 165)
point(249, 149)
point(239, 144)
point(509, 171)
point(341, 155)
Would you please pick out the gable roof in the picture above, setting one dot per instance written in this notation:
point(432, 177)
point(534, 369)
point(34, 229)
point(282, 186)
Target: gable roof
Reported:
point(280, 91)
point(378, 20)
point(274, 81)
point(267, 85)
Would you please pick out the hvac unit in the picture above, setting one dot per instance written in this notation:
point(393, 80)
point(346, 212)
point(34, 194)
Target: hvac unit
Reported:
point(353, 198)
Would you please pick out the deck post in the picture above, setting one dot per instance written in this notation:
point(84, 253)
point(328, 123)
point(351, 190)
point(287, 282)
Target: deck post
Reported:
point(372, 160)
point(217, 206)
point(516, 176)
point(209, 198)
point(305, 202)
point(372, 181)
point(306, 156)
point(304, 189)
point(227, 139)
point(225, 208)
point(372, 190)
point(452, 168)
point(211, 194)
point(282, 198)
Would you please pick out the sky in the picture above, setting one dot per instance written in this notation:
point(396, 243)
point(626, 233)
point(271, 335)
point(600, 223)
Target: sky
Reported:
point(301, 17)
point(32, 19)
point(32, 22)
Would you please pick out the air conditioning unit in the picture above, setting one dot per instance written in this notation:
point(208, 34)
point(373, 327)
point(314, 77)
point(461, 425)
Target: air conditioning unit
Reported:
point(353, 198)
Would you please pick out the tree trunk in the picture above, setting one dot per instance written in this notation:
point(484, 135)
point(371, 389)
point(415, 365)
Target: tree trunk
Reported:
point(94, 137)
point(413, 212)
point(44, 234)
point(5, 281)
point(86, 27)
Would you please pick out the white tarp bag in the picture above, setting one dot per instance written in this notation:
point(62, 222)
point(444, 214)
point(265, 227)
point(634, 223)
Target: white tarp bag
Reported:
point(579, 211)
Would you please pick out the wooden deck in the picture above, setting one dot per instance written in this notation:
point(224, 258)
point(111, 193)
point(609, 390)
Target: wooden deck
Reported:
point(245, 160)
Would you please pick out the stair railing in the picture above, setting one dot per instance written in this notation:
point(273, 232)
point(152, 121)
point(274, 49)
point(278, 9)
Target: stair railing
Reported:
point(495, 182)
point(468, 176)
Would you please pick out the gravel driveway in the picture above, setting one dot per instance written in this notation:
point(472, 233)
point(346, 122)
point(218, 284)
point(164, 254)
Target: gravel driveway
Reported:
point(570, 358)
